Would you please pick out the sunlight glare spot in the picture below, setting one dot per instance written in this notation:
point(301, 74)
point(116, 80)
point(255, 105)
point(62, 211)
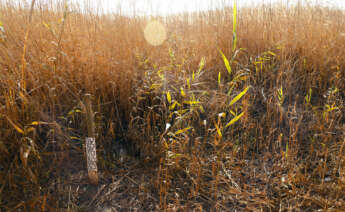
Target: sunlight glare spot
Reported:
point(155, 33)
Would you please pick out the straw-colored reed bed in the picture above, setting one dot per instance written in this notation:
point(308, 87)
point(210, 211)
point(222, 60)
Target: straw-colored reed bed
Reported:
point(202, 124)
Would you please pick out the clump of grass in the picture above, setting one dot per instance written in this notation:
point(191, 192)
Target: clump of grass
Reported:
point(233, 112)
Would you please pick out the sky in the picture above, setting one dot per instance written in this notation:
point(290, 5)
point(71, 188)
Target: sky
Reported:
point(166, 7)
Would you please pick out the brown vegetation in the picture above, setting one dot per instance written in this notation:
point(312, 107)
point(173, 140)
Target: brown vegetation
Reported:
point(285, 152)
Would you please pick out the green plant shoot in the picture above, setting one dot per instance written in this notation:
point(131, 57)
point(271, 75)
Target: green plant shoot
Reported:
point(226, 62)
point(239, 96)
point(234, 38)
point(234, 120)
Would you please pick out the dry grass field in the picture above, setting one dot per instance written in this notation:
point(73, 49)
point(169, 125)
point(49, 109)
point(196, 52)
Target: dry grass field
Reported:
point(230, 113)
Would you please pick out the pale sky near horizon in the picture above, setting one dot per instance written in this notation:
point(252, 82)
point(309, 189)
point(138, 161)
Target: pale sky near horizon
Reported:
point(166, 7)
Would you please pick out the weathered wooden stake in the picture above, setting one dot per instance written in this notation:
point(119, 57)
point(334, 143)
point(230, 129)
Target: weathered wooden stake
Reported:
point(90, 141)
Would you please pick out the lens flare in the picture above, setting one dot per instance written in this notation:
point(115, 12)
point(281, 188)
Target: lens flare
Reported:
point(155, 33)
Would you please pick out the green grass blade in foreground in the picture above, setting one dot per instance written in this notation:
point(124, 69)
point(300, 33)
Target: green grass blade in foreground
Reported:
point(169, 97)
point(239, 96)
point(226, 62)
point(234, 120)
point(182, 130)
point(234, 25)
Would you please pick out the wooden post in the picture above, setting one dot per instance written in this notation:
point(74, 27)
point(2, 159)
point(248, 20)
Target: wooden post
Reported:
point(90, 141)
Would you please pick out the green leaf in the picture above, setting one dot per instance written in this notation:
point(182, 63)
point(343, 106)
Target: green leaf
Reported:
point(287, 150)
point(331, 108)
point(192, 102)
point(183, 94)
point(234, 120)
point(181, 112)
point(182, 131)
point(77, 111)
point(154, 86)
point(173, 155)
point(218, 131)
point(234, 39)
point(29, 129)
point(46, 25)
point(201, 64)
point(15, 126)
point(188, 83)
point(172, 107)
point(201, 109)
point(226, 62)
point(166, 145)
point(169, 97)
point(219, 78)
point(239, 96)
point(70, 113)
point(221, 115)
point(161, 74)
point(271, 53)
